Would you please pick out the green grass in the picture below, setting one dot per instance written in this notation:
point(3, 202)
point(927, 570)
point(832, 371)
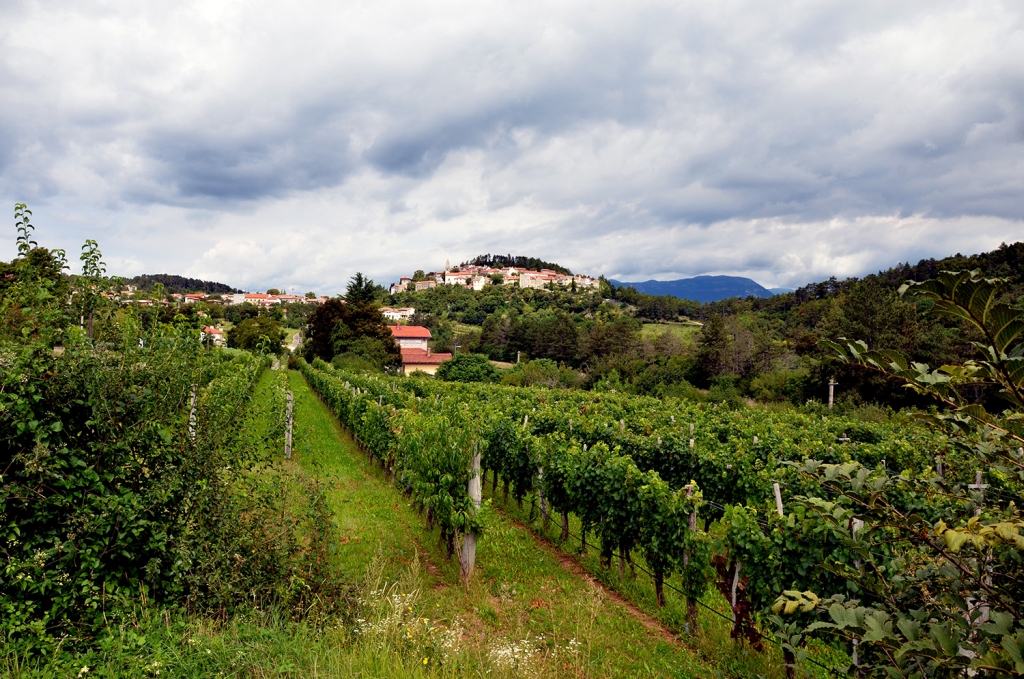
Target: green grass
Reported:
point(520, 591)
point(529, 610)
point(711, 641)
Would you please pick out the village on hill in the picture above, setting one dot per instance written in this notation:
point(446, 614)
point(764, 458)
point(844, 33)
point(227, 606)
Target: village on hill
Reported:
point(476, 277)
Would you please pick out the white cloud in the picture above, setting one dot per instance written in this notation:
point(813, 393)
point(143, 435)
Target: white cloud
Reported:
point(260, 146)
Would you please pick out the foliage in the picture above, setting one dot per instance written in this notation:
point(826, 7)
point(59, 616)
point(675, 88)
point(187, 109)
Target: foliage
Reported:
point(467, 367)
point(519, 262)
point(129, 473)
point(260, 334)
point(354, 327)
point(541, 372)
point(179, 284)
point(934, 562)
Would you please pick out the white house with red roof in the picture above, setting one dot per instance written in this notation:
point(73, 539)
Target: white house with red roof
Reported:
point(398, 313)
point(416, 355)
point(411, 336)
point(216, 335)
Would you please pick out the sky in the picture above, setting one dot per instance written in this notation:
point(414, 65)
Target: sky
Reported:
point(292, 144)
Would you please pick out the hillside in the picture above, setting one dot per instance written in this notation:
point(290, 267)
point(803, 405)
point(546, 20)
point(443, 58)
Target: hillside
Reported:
point(701, 288)
point(182, 284)
point(518, 261)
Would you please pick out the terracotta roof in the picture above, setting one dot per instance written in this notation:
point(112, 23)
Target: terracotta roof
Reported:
point(422, 357)
point(410, 331)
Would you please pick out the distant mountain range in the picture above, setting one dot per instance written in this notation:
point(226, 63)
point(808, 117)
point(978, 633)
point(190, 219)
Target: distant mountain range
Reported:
point(704, 288)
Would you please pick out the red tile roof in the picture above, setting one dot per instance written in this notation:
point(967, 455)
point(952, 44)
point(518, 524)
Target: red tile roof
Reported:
point(422, 357)
point(410, 331)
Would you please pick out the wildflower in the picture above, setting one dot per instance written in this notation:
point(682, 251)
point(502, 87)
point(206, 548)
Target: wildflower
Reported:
point(83, 671)
point(426, 660)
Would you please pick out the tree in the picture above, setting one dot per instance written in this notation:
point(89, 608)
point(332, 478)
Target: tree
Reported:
point(318, 342)
point(338, 327)
point(261, 334)
point(467, 368)
point(91, 283)
point(712, 349)
point(310, 295)
point(273, 291)
point(360, 290)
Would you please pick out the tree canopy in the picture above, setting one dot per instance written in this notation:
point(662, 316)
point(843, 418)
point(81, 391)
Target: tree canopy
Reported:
point(467, 368)
point(260, 334)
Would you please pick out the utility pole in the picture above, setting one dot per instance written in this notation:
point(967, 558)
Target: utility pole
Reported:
point(831, 390)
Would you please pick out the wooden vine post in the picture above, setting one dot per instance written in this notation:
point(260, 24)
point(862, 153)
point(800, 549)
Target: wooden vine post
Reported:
point(787, 655)
point(192, 414)
point(540, 496)
point(980, 487)
point(288, 426)
point(467, 558)
point(854, 656)
point(691, 603)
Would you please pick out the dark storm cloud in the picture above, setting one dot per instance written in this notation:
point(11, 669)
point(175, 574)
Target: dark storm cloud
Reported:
point(747, 130)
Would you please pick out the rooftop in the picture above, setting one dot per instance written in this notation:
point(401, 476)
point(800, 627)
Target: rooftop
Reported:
point(422, 357)
point(410, 331)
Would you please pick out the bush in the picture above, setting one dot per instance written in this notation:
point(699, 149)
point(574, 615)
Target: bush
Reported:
point(142, 470)
point(467, 368)
point(541, 372)
point(261, 334)
point(354, 362)
point(724, 390)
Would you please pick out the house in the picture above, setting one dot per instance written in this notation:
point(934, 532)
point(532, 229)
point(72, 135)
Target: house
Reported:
point(416, 355)
point(261, 300)
point(410, 336)
point(458, 278)
point(425, 285)
point(422, 360)
point(193, 298)
point(399, 314)
point(536, 279)
point(396, 288)
point(216, 335)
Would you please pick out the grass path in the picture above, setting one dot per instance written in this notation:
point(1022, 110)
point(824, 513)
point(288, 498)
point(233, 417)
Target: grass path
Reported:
point(523, 593)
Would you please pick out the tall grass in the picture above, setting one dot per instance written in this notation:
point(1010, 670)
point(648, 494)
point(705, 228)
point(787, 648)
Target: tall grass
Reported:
point(392, 637)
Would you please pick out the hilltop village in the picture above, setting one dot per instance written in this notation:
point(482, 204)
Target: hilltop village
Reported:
point(477, 276)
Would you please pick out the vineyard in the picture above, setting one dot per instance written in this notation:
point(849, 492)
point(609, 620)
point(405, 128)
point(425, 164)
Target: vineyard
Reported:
point(898, 544)
point(165, 504)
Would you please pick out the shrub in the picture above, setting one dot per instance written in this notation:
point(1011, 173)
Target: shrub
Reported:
point(468, 368)
point(261, 334)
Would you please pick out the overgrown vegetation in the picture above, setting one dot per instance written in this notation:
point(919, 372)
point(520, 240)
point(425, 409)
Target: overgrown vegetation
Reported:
point(897, 544)
point(136, 467)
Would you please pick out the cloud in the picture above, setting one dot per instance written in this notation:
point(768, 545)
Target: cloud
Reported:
point(262, 146)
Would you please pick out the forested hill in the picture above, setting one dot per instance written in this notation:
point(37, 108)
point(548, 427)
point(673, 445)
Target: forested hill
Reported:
point(1007, 261)
point(518, 261)
point(181, 284)
point(701, 288)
